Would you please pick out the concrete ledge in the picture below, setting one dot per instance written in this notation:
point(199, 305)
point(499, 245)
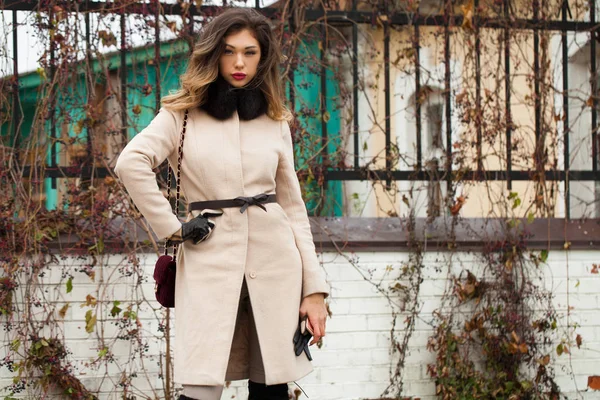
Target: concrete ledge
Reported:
point(393, 234)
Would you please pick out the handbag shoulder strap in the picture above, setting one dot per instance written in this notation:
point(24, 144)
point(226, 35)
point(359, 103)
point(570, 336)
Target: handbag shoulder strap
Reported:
point(178, 179)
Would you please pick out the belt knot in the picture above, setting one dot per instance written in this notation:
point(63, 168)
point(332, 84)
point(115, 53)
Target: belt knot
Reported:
point(256, 200)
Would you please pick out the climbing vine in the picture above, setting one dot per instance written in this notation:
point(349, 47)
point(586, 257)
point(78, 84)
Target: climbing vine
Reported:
point(75, 262)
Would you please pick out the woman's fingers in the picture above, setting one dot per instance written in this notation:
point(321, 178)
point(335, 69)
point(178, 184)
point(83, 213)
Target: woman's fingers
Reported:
point(316, 331)
point(318, 328)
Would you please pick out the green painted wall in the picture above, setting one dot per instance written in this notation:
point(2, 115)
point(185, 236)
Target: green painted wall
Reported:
point(307, 84)
point(141, 107)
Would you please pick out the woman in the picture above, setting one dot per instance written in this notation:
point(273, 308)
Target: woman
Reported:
point(240, 292)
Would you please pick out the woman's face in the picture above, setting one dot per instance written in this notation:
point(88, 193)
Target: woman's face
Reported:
point(239, 60)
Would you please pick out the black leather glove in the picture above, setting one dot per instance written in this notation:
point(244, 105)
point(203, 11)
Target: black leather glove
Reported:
point(301, 339)
point(198, 229)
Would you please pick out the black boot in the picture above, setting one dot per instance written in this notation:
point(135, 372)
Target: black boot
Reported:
point(260, 391)
point(184, 397)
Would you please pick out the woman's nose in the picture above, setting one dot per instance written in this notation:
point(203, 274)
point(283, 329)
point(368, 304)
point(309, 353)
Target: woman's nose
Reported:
point(239, 61)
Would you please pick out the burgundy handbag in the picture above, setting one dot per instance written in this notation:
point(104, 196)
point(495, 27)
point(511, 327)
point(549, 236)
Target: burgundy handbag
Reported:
point(165, 268)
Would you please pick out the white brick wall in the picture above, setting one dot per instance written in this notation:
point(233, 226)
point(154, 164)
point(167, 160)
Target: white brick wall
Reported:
point(354, 361)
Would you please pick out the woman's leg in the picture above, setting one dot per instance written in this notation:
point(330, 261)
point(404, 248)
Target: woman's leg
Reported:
point(257, 369)
point(260, 391)
point(256, 386)
point(202, 392)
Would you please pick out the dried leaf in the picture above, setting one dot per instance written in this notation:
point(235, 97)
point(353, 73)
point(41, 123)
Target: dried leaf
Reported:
point(107, 38)
point(455, 208)
point(467, 10)
point(590, 101)
point(90, 301)
point(460, 97)
point(63, 310)
point(523, 348)
point(90, 321)
point(515, 337)
point(172, 25)
point(469, 288)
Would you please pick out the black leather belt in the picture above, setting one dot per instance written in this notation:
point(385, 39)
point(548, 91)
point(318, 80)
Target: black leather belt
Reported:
point(240, 201)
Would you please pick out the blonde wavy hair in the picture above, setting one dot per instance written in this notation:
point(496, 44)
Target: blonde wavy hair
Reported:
point(203, 65)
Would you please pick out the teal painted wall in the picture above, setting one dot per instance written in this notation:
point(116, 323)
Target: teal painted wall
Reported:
point(307, 84)
point(141, 106)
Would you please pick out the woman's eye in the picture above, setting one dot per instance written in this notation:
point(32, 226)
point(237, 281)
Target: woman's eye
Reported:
point(250, 53)
point(228, 52)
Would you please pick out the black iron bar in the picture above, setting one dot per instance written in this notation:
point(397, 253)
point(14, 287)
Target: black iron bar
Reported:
point(507, 99)
point(292, 61)
point(566, 126)
point(472, 175)
point(355, 89)
point(398, 18)
point(16, 120)
point(536, 83)
point(123, 75)
point(333, 175)
point(157, 89)
point(447, 90)
point(594, 86)
point(53, 135)
point(417, 45)
point(91, 89)
point(323, 103)
point(191, 12)
point(386, 79)
point(479, 112)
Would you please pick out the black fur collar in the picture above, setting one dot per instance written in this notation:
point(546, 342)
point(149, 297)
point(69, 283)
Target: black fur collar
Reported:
point(223, 99)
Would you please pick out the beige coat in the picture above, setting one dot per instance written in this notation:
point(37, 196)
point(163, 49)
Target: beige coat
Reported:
point(274, 250)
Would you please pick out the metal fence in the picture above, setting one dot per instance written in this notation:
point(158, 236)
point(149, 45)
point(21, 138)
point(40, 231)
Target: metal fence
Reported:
point(353, 18)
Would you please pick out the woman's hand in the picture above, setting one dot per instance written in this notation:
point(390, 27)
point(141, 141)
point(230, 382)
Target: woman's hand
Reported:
point(197, 229)
point(314, 306)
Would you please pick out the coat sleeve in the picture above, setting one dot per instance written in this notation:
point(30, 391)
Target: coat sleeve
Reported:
point(134, 167)
point(289, 196)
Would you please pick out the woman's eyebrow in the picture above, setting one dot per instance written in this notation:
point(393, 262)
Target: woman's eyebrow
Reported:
point(247, 47)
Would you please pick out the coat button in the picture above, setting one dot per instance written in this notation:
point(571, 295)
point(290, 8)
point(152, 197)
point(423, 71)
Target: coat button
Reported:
point(252, 274)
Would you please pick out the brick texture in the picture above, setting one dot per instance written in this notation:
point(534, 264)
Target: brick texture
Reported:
point(354, 361)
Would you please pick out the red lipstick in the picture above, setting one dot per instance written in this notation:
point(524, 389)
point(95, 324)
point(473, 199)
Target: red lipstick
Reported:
point(238, 76)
